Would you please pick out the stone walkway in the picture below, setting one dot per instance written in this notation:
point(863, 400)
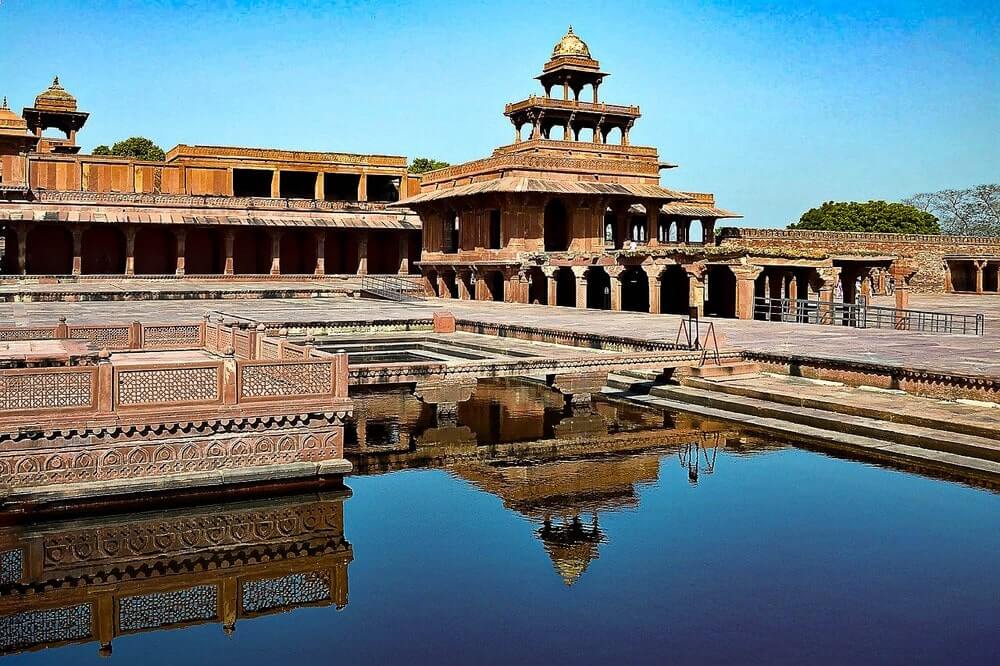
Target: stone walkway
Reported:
point(948, 353)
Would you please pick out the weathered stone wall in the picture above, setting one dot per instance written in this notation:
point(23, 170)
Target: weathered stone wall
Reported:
point(927, 251)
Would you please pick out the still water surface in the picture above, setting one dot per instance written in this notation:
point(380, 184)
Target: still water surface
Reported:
point(516, 532)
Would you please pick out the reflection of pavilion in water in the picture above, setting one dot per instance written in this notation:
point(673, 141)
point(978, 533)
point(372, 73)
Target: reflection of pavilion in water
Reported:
point(99, 578)
point(559, 467)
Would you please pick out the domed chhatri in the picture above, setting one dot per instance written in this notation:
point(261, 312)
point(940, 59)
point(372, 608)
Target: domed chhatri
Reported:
point(55, 97)
point(571, 45)
point(10, 121)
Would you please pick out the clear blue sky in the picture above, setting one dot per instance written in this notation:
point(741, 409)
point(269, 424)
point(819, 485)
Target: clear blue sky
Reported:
point(775, 106)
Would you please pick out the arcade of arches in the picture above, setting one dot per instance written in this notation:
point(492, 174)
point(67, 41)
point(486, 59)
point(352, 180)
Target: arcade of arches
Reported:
point(152, 249)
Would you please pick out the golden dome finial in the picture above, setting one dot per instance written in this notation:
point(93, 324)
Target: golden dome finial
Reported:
point(4, 103)
point(55, 80)
point(571, 45)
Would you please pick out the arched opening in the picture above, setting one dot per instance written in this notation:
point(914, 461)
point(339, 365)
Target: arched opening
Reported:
point(494, 285)
point(155, 251)
point(204, 252)
point(103, 250)
point(696, 232)
point(340, 252)
point(613, 136)
point(450, 283)
point(252, 252)
point(664, 228)
point(383, 252)
point(298, 252)
point(49, 251)
point(610, 239)
point(558, 133)
point(556, 227)
point(674, 286)
point(431, 283)
point(538, 287)
point(637, 229)
point(525, 131)
point(635, 289)
point(8, 262)
point(565, 287)
point(598, 289)
point(720, 292)
point(586, 134)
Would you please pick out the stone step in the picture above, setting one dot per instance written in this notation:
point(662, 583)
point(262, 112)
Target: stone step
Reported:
point(738, 368)
point(901, 433)
point(869, 447)
point(625, 381)
point(794, 395)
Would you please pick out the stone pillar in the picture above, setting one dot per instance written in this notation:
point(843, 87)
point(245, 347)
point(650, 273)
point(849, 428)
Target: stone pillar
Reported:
point(320, 193)
point(826, 281)
point(363, 187)
point(745, 278)
point(580, 273)
point(551, 293)
point(948, 286)
point(902, 271)
point(696, 288)
point(654, 292)
point(980, 268)
point(77, 251)
point(320, 238)
point(275, 252)
point(130, 251)
point(793, 295)
point(683, 230)
point(230, 242)
point(276, 184)
point(363, 253)
point(404, 254)
point(621, 225)
point(462, 277)
point(708, 230)
point(22, 249)
point(652, 218)
point(616, 288)
point(181, 236)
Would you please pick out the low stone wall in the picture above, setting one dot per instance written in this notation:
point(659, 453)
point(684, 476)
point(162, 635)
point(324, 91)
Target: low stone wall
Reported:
point(916, 381)
point(927, 251)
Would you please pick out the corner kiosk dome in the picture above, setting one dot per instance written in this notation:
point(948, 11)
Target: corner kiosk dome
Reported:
point(571, 45)
point(55, 98)
point(10, 122)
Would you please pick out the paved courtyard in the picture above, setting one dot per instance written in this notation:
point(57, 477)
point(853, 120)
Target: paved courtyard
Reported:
point(954, 353)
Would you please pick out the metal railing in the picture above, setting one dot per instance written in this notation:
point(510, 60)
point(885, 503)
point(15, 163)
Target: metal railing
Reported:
point(391, 288)
point(689, 332)
point(864, 315)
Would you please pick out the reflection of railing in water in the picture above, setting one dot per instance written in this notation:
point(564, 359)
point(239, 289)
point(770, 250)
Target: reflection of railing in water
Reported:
point(97, 579)
point(695, 457)
point(864, 315)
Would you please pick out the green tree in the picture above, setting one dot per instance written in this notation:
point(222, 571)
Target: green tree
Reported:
point(872, 216)
point(425, 164)
point(137, 147)
point(974, 211)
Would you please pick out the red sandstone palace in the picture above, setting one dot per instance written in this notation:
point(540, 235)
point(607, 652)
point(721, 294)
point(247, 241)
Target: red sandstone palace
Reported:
point(570, 214)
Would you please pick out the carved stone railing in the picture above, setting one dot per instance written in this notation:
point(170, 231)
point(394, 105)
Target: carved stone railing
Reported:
point(571, 105)
point(741, 233)
point(114, 337)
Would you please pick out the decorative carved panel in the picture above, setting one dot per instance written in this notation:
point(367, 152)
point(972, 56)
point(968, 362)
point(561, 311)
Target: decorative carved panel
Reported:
point(105, 337)
point(137, 387)
point(11, 566)
point(23, 630)
point(286, 379)
point(295, 589)
point(160, 609)
point(158, 337)
point(48, 390)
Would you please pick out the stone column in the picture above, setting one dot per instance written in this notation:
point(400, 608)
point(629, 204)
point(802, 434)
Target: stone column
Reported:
point(902, 271)
point(363, 253)
point(708, 230)
point(551, 291)
point(654, 291)
point(827, 279)
point(404, 254)
point(77, 251)
point(482, 290)
point(683, 230)
point(696, 287)
point(22, 248)
point(793, 295)
point(745, 278)
point(276, 184)
point(230, 242)
point(615, 273)
point(320, 238)
point(275, 252)
point(948, 286)
point(652, 218)
point(363, 187)
point(320, 192)
point(580, 272)
point(130, 251)
point(181, 236)
point(980, 267)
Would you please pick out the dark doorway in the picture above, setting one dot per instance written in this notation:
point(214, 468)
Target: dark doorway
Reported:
point(674, 291)
point(155, 251)
point(204, 253)
point(598, 289)
point(252, 182)
point(494, 284)
point(556, 227)
point(49, 251)
point(252, 252)
point(565, 287)
point(103, 251)
point(538, 287)
point(635, 290)
point(341, 186)
point(383, 188)
point(495, 239)
point(721, 292)
point(297, 184)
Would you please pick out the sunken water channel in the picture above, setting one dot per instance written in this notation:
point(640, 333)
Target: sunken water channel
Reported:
point(519, 531)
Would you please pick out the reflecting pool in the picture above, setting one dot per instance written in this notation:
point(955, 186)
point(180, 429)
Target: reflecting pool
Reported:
point(516, 531)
